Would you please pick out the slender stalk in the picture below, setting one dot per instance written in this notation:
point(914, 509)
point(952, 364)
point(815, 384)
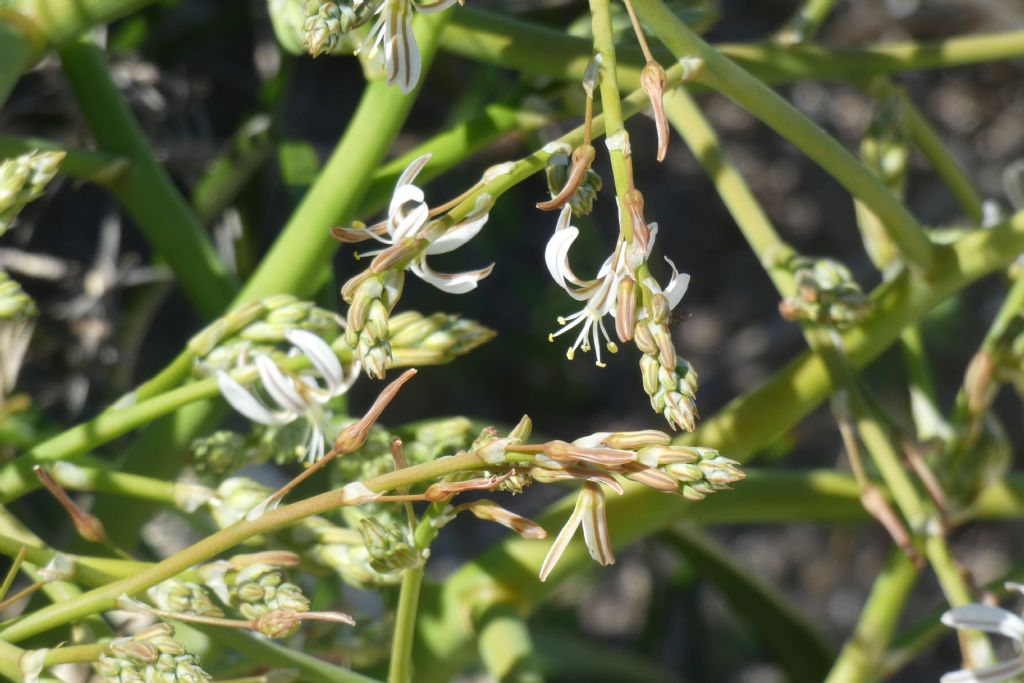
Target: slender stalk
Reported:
point(12, 572)
point(804, 24)
point(73, 654)
point(146, 191)
point(512, 43)
point(945, 165)
point(863, 654)
point(721, 74)
point(400, 667)
point(611, 105)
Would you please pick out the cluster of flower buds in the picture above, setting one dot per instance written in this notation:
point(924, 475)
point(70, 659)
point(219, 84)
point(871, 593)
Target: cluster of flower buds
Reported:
point(646, 457)
point(826, 294)
point(152, 655)
point(257, 585)
point(559, 171)
point(418, 340)
point(371, 300)
point(340, 549)
point(223, 452)
point(669, 380)
point(23, 180)
point(184, 597)
point(390, 545)
point(328, 25)
point(15, 304)
point(258, 327)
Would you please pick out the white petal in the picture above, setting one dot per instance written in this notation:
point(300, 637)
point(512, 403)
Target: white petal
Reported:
point(266, 505)
point(405, 224)
point(458, 235)
point(281, 388)
point(401, 54)
point(677, 285)
point(986, 618)
point(653, 229)
point(405, 194)
point(996, 673)
point(561, 541)
point(315, 445)
point(242, 400)
point(595, 527)
point(456, 283)
point(410, 173)
point(556, 253)
point(320, 355)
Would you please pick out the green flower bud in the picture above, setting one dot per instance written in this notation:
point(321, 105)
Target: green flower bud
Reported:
point(22, 180)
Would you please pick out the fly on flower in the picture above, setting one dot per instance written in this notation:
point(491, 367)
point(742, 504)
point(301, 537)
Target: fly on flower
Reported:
point(393, 30)
point(600, 293)
point(295, 395)
point(409, 217)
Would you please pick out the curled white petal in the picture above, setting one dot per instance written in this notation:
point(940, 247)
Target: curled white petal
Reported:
point(456, 283)
point(407, 224)
point(357, 493)
point(280, 387)
point(458, 235)
point(321, 356)
point(996, 673)
point(242, 400)
point(60, 568)
point(677, 285)
point(986, 618)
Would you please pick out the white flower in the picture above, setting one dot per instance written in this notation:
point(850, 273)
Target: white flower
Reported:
point(295, 395)
point(600, 293)
point(590, 512)
point(990, 620)
point(394, 29)
point(408, 214)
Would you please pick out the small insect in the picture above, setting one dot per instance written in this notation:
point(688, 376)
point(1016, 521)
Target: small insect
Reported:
point(678, 317)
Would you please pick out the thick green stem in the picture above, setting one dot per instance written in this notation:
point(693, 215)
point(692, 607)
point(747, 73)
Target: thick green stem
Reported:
point(721, 74)
point(146, 191)
point(400, 668)
point(507, 651)
point(863, 654)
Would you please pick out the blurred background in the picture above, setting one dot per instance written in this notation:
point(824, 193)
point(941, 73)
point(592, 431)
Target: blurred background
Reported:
point(196, 73)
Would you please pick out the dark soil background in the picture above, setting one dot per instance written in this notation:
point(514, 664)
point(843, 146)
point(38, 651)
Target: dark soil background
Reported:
point(193, 71)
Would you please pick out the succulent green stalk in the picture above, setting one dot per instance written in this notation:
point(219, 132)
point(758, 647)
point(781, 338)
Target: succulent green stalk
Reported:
point(23, 180)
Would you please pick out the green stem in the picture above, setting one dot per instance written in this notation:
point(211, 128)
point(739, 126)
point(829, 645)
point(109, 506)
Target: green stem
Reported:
point(803, 26)
point(145, 190)
point(863, 654)
point(505, 646)
point(60, 21)
point(947, 168)
point(400, 668)
point(512, 43)
point(686, 117)
point(611, 106)
point(722, 75)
